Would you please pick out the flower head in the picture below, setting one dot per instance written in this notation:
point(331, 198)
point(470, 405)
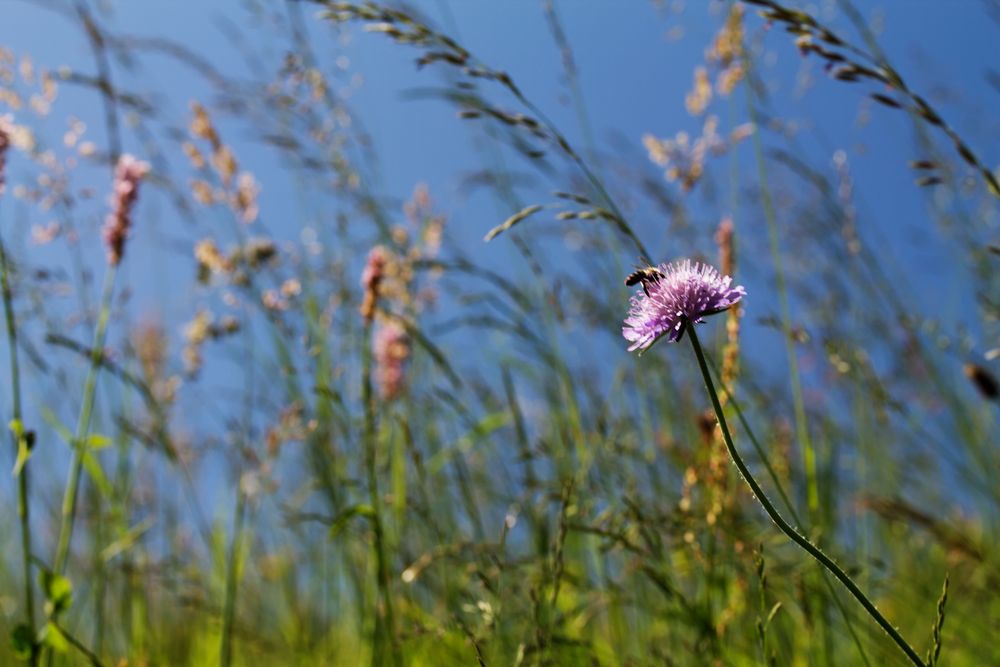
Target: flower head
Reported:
point(674, 295)
point(374, 268)
point(391, 350)
point(128, 173)
point(6, 137)
point(371, 277)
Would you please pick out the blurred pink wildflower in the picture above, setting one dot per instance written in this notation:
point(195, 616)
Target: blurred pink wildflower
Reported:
point(128, 173)
point(371, 276)
point(6, 131)
point(391, 350)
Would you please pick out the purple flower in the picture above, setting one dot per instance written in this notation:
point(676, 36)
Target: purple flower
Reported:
point(674, 295)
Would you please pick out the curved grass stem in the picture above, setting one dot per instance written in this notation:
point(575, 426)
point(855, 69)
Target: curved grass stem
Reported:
point(80, 442)
point(783, 525)
point(776, 482)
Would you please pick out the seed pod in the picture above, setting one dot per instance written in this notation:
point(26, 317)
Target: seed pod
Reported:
point(966, 153)
point(886, 100)
point(984, 381)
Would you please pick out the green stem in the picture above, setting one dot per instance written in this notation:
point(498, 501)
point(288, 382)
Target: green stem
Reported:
point(383, 607)
point(232, 576)
point(798, 404)
point(591, 177)
point(92, 658)
point(22, 474)
point(80, 441)
point(776, 482)
point(783, 525)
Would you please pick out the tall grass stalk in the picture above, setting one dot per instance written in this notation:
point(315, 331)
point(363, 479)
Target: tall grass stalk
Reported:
point(233, 564)
point(798, 403)
point(80, 444)
point(624, 534)
point(385, 621)
point(21, 446)
point(783, 525)
point(809, 462)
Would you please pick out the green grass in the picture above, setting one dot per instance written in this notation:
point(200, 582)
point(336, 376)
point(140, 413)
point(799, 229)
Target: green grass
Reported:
point(259, 494)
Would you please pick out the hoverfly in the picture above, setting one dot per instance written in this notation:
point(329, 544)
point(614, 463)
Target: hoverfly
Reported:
point(647, 275)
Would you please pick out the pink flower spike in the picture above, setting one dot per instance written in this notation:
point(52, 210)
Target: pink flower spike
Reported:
point(125, 192)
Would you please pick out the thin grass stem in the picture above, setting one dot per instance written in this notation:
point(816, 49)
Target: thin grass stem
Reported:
point(385, 622)
point(20, 443)
point(232, 577)
point(798, 403)
point(80, 440)
point(776, 481)
point(783, 525)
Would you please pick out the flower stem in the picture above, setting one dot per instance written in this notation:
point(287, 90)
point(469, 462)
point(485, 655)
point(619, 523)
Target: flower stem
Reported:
point(80, 442)
point(385, 623)
point(776, 481)
point(22, 473)
point(783, 525)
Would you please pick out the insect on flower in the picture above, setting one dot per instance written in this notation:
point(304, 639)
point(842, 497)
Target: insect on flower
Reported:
point(675, 295)
point(647, 275)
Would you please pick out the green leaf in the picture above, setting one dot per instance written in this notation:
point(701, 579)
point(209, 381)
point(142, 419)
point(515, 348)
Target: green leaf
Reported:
point(341, 520)
point(58, 590)
point(53, 637)
point(477, 433)
point(25, 440)
point(61, 430)
point(96, 473)
point(437, 355)
point(398, 475)
point(23, 454)
point(22, 641)
point(774, 610)
point(98, 441)
point(126, 541)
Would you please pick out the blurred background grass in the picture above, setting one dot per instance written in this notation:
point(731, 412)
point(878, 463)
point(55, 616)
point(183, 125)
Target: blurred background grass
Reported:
point(515, 488)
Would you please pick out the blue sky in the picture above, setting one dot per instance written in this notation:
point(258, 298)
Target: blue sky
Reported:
point(635, 61)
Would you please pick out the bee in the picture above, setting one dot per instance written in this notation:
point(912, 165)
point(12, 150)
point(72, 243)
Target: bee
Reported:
point(646, 276)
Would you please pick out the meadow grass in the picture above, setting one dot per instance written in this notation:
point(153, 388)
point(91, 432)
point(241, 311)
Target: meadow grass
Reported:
point(370, 446)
